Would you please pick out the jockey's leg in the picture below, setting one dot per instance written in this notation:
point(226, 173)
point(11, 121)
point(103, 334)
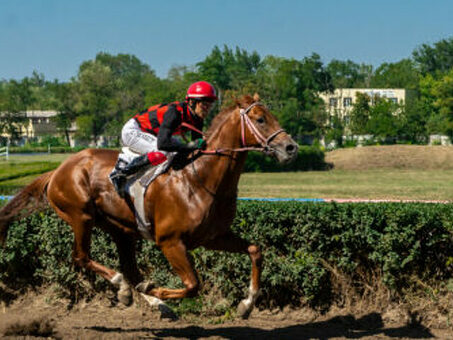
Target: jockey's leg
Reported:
point(119, 176)
point(140, 142)
point(232, 243)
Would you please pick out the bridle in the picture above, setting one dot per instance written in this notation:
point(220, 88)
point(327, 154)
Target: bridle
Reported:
point(245, 122)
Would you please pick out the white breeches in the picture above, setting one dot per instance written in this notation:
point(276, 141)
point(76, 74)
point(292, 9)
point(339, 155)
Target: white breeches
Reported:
point(140, 142)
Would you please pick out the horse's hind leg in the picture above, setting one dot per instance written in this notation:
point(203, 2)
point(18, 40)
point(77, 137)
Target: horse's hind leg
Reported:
point(128, 265)
point(82, 224)
point(232, 243)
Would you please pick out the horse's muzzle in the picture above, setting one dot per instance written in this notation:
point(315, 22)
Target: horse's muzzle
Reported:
point(285, 151)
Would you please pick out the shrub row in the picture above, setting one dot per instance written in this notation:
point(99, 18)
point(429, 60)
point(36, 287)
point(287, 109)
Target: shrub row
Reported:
point(309, 158)
point(301, 243)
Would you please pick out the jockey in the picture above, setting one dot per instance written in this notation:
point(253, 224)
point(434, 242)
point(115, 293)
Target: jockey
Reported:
point(150, 132)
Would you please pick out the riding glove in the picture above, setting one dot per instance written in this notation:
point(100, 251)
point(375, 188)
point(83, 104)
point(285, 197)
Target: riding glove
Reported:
point(199, 143)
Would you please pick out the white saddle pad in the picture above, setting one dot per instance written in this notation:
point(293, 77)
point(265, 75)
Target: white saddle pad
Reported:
point(137, 184)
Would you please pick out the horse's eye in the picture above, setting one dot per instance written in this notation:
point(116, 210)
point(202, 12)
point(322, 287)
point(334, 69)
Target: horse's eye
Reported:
point(260, 120)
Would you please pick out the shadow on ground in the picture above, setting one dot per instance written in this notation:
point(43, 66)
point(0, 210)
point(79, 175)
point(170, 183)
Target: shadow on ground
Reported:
point(337, 327)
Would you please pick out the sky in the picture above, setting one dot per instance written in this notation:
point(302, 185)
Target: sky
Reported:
point(54, 37)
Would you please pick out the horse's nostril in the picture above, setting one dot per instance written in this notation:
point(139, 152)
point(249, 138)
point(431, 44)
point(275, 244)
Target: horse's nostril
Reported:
point(290, 148)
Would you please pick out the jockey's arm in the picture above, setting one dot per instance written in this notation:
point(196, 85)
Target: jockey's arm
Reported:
point(165, 142)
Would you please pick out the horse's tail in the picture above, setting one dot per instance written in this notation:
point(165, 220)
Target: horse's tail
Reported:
point(28, 200)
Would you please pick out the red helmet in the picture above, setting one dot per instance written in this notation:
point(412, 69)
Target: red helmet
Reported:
point(201, 89)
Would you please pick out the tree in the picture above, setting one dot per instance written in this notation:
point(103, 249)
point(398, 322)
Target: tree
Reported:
point(346, 74)
point(402, 74)
point(414, 121)
point(291, 89)
point(335, 131)
point(111, 89)
point(16, 98)
point(435, 60)
point(96, 89)
point(66, 105)
point(360, 114)
point(384, 120)
point(443, 91)
point(434, 120)
point(228, 69)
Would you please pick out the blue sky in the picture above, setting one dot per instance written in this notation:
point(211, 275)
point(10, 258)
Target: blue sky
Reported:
point(55, 36)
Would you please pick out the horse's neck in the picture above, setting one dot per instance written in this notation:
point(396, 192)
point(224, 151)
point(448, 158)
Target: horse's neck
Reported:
point(220, 174)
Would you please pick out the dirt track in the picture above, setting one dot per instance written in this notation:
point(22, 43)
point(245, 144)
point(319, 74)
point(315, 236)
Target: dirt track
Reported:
point(34, 317)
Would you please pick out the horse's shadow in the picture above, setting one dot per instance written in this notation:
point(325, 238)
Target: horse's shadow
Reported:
point(340, 326)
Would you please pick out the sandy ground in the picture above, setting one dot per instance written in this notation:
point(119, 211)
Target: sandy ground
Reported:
point(392, 157)
point(36, 316)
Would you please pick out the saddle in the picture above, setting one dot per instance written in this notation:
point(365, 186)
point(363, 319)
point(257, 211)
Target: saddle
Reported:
point(138, 183)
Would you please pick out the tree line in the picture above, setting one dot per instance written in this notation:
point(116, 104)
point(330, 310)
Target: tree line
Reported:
point(110, 89)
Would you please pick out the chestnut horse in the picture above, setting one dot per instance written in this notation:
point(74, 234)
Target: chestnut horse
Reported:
point(189, 207)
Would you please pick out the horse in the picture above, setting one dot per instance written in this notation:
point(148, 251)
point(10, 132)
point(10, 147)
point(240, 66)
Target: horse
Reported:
point(187, 207)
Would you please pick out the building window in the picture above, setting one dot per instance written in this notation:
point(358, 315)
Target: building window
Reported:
point(346, 120)
point(394, 100)
point(333, 102)
point(347, 101)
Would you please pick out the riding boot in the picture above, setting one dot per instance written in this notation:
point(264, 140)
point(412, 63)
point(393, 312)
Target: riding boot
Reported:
point(118, 177)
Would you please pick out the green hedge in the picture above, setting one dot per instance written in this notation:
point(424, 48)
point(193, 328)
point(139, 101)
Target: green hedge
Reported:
point(404, 243)
point(309, 158)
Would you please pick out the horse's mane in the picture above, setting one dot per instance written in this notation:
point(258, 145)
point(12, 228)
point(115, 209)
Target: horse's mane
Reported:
point(220, 118)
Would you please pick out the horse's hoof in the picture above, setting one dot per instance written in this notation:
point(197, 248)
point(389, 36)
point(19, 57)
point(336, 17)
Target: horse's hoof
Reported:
point(145, 286)
point(167, 313)
point(125, 296)
point(157, 304)
point(243, 310)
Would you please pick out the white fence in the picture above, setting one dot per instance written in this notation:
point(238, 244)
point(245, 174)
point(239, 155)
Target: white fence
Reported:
point(4, 152)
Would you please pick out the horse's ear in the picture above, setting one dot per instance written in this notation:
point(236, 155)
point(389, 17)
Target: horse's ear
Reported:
point(256, 97)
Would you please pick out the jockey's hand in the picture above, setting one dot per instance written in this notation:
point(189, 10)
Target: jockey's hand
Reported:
point(197, 144)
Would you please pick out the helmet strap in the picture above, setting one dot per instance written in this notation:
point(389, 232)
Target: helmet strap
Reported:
point(192, 104)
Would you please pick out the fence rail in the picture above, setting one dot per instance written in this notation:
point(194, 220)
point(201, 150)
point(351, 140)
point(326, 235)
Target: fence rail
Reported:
point(4, 152)
point(317, 200)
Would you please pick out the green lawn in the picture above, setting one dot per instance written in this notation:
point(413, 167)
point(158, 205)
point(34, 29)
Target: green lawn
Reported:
point(43, 157)
point(20, 170)
point(366, 184)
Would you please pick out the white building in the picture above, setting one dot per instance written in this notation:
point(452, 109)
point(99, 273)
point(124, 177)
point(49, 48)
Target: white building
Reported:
point(339, 103)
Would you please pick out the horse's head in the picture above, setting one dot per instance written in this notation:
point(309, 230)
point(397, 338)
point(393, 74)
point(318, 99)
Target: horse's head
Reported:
point(260, 128)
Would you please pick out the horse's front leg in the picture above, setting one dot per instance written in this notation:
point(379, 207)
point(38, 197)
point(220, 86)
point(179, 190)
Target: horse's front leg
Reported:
point(232, 243)
point(176, 253)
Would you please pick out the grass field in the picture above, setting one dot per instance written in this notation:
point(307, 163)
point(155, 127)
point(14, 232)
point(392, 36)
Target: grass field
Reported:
point(20, 170)
point(365, 184)
point(396, 172)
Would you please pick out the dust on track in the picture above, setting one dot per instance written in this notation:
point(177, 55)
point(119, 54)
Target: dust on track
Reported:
point(34, 316)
